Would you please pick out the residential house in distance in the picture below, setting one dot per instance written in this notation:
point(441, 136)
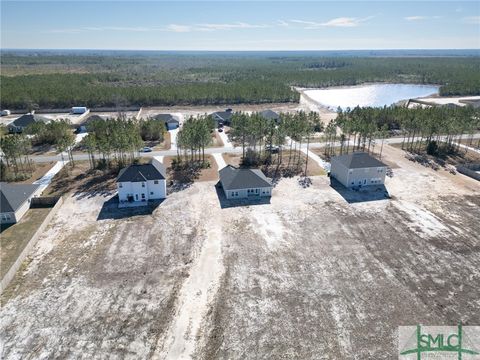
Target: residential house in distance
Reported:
point(83, 127)
point(240, 183)
point(358, 169)
point(23, 121)
point(270, 115)
point(222, 117)
point(15, 200)
point(138, 184)
point(170, 122)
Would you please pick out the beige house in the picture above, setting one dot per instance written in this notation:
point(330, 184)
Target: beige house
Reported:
point(358, 169)
point(244, 183)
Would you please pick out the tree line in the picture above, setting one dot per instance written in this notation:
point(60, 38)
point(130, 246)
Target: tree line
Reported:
point(99, 81)
point(357, 128)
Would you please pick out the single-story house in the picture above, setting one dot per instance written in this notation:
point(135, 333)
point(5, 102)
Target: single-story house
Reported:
point(240, 183)
point(358, 169)
point(83, 127)
point(170, 122)
point(222, 117)
point(15, 200)
point(23, 121)
point(270, 115)
point(140, 183)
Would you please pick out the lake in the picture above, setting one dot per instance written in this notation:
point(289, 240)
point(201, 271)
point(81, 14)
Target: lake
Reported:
point(375, 95)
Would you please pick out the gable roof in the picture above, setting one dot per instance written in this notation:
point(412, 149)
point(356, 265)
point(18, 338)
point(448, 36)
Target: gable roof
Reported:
point(12, 196)
point(222, 115)
point(92, 118)
point(166, 118)
point(269, 114)
point(138, 173)
point(233, 178)
point(358, 160)
point(28, 119)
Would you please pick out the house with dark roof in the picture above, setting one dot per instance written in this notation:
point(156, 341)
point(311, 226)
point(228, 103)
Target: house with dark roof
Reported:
point(170, 122)
point(15, 200)
point(222, 117)
point(138, 184)
point(270, 115)
point(23, 121)
point(84, 126)
point(240, 183)
point(358, 169)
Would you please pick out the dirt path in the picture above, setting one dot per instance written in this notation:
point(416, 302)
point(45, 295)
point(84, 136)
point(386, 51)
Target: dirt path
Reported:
point(195, 296)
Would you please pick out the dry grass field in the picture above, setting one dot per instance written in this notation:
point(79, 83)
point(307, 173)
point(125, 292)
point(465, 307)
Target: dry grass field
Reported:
point(315, 273)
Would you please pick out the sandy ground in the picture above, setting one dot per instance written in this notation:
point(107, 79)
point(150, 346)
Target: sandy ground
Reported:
point(316, 273)
point(450, 99)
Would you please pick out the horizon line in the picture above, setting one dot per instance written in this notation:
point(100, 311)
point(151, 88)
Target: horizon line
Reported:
point(244, 50)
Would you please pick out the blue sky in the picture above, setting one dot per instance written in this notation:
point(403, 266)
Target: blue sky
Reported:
point(240, 25)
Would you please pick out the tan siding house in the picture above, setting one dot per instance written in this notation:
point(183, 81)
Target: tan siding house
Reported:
point(358, 169)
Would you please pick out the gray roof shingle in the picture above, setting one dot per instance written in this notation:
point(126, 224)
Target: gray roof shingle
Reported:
point(233, 178)
point(222, 115)
point(269, 114)
point(139, 173)
point(166, 118)
point(358, 160)
point(12, 196)
point(27, 119)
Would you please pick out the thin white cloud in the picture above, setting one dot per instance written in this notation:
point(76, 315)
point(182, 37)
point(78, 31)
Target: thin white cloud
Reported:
point(178, 28)
point(475, 20)
point(421, 17)
point(342, 22)
point(336, 22)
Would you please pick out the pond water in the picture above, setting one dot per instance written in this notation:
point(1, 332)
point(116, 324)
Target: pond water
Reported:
point(376, 95)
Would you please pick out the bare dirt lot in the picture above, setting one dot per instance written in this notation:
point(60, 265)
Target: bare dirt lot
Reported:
point(309, 275)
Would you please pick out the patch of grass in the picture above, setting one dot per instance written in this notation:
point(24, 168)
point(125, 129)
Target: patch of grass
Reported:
point(82, 179)
point(14, 238)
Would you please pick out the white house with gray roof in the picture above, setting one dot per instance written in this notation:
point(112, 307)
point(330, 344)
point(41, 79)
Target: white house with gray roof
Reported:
point(137, 184)
point(358, 169)
point(244, 183)
point(15, 200)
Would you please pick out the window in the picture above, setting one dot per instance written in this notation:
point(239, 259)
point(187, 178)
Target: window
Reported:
point(120, 185)
point(143, 196)
point(155, 182)
point(143, 184)
point(151, 192)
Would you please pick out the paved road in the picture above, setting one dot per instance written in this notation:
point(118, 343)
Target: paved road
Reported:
point(216, 150)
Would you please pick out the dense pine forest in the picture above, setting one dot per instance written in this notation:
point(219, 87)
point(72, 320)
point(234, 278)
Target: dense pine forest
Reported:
point(61, 81)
